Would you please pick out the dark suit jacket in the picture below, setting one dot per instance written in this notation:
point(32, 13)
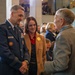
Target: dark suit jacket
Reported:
point(49, 35)
point(12, 50)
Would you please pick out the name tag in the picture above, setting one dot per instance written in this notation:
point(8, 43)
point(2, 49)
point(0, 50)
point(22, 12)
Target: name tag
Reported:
point(22, 35)
point(10, 37)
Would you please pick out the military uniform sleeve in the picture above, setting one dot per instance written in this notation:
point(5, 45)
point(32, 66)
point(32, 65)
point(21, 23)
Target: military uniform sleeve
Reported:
point(26, 55)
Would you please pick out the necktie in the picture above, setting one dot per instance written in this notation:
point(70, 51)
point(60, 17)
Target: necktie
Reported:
point(15, 32)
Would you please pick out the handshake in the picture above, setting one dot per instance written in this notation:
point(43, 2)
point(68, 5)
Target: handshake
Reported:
point(24, 68)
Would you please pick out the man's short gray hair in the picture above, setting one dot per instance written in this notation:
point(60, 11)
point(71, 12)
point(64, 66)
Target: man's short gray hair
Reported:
point(16, 7)
point(67, 14)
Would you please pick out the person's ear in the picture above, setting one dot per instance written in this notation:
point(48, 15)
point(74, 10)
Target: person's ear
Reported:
point(62, 21)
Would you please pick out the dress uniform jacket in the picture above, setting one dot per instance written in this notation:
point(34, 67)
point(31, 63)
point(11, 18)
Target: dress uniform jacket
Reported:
point(40, 51)
point(12, 50)
point(64, 53)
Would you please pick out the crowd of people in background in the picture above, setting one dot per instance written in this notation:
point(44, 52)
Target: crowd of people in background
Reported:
point(46, 10)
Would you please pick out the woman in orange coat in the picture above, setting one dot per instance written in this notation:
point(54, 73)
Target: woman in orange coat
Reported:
point(36, 45)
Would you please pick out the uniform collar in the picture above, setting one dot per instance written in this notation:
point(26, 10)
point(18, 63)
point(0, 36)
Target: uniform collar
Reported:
point(11, 24)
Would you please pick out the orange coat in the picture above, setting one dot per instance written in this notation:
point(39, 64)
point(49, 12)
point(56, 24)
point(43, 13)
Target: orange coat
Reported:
point(40, 50)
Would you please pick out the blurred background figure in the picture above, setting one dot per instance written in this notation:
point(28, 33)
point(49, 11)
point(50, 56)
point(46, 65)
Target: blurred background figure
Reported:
point(38, 29)
point(51, 35)
point(43, 30)
point(50, 31)
point(22, 27)
point(48, 52)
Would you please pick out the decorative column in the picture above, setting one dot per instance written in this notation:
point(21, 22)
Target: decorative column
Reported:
point(36, 10)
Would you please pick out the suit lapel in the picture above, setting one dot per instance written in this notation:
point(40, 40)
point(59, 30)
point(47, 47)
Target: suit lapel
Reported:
point(37, 43)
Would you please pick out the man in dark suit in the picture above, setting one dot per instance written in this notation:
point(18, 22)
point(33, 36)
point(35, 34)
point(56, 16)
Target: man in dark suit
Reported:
point(14, 55)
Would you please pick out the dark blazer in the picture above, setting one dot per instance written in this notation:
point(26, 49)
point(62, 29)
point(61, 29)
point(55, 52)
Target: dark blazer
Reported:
point(12, 50)
point(49, 35)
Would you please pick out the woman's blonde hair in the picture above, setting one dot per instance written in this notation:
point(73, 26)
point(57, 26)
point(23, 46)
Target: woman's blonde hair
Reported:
point(49, 25)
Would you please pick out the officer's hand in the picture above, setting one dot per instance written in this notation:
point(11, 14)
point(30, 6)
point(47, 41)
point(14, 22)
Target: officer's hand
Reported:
point(24, 68)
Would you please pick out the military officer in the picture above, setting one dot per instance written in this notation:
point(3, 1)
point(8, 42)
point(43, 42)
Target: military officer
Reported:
point(14, 55)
